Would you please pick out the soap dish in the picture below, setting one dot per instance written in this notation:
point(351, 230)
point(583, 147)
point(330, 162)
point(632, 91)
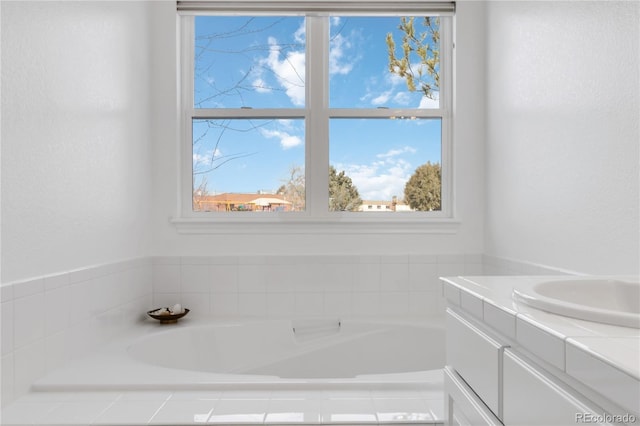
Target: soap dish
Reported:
point(167, 318)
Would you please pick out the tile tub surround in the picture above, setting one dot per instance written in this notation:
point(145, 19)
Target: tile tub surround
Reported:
point(228, 286)
point(310, 285)
point(592, 357)
point(349, 286)
point(50, 320)
point(493, 265)
point(237, 285)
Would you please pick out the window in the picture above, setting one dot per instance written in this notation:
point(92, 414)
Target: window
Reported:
point(315, 113)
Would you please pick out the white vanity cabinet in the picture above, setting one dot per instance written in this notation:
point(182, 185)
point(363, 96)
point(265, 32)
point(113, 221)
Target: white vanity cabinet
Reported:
point(489, 382)
point(477, 358)
point(531, 396)
point(465, 408)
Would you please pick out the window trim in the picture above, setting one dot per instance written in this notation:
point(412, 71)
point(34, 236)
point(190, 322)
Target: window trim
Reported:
point(323, 7)
point(316, 214)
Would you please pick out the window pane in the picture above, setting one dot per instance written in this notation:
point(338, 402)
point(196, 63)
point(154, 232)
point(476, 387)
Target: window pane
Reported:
point(243, 61)
point(368, 67)
point(248, 165)
point(385, 165)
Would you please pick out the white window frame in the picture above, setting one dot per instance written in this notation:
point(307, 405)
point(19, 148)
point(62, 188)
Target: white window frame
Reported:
point(316, 114)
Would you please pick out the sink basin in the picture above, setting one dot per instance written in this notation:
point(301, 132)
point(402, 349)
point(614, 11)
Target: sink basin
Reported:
point(608, 301)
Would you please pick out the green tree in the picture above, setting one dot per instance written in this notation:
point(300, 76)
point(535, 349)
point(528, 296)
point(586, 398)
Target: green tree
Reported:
point(419, 63)
point(343, 195)
point(424, 188)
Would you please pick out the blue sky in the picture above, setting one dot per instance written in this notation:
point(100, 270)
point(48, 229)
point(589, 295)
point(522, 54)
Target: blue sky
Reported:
point(260, 63)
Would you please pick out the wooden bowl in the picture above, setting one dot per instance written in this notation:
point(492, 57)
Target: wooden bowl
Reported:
point(167, 319)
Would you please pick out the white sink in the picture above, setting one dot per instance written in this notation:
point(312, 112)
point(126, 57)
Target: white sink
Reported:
point(609, 301)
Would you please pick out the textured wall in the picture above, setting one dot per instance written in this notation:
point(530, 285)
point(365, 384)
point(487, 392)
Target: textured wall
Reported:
point(76, 175)
point(563, 135)
point(89, 122)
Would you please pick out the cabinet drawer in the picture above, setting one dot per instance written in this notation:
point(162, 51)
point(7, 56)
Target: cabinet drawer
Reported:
point(464, 406)
point(477, 358)
point(533, 398)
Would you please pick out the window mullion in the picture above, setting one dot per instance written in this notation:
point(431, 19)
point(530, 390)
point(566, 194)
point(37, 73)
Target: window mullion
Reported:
point(317, 92)
point(185, 166)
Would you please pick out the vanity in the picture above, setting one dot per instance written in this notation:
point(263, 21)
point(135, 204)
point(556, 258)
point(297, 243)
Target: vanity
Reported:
point(521, 351)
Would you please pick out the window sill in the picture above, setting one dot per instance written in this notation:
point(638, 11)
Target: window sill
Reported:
point(280, 225)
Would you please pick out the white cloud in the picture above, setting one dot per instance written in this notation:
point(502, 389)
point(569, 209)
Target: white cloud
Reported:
point(339, 44)
point(430, 103)
point(402, 98)
point(381, 179)
point(289, 71)
point(382, 98)
point(205, 159)
point(286, 140)
point(391, 87)
point(376, 184)
point(383, 88)
point(395, 152)
point(199, 159)
point(289, 67)
point(289, 141)
point(394, 79)
point(301, 33)
point(261, 86)
point(285, 123)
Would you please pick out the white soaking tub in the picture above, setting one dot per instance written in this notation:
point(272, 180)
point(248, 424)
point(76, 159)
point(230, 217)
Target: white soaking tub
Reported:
point(212, 354)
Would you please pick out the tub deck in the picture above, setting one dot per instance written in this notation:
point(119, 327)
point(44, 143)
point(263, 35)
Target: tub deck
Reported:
point(416, 406)
point(110, 388)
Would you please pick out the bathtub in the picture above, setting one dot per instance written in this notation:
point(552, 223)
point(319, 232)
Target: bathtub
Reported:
point(199, 354)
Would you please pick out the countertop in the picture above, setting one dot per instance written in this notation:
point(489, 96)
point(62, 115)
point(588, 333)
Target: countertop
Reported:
point(589, 352)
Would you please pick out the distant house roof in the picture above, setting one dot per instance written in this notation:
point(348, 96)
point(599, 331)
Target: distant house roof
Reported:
point(231, 201)
point(265, 201)
point(238, 198)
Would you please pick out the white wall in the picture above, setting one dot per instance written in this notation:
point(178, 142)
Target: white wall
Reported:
point(89, 161)
point(76, 173)
point(468, 152)
point(563, 135)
